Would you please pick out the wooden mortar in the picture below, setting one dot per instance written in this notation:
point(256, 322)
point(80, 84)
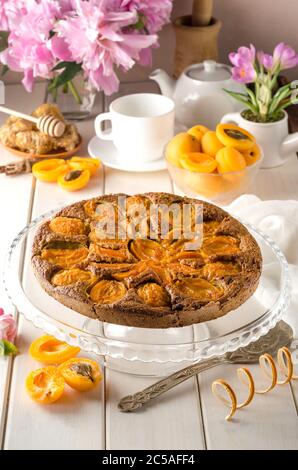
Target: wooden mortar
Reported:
point(194, 44)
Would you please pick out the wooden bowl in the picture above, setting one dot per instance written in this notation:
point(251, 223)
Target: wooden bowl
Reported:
point(53, 154)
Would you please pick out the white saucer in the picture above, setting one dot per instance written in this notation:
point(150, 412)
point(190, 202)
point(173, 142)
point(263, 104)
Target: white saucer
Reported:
point(107, 153)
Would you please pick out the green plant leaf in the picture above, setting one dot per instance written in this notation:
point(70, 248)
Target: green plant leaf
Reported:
point(7, 348)
point(283, 93)
point(3, 40)
point(252, 98)
point(245, 101)
point(71, 69)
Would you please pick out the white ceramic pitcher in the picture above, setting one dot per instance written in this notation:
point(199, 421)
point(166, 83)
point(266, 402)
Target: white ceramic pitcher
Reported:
point(273, 137)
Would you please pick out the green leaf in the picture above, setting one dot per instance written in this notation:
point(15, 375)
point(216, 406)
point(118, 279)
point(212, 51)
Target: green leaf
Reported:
point(3, 40)
point(7, 348)
point(71, 69)
point(246, 102)
point(252, 97)
point(283, 93)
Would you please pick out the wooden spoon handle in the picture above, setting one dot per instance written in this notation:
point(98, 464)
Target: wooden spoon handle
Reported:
point(202, 12)
point(15, 113)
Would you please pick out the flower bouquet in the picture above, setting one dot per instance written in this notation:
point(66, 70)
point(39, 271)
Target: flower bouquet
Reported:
point(57, 40)
point(259, 73)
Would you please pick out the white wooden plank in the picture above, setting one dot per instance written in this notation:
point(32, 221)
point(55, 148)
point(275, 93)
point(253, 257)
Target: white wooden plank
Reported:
point(173, 422)
point(58, 426)
point(269, 422)
point(15, 196)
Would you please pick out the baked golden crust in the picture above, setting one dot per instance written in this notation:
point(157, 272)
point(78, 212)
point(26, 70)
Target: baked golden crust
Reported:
point(156, 282)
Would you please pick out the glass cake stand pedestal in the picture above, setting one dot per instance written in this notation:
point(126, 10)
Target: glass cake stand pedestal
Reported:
point(143, 351)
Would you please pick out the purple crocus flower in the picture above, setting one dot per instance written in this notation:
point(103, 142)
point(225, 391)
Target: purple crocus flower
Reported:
point(244, 72)
point(285, 56)
point(247, 54)
point(266, 60)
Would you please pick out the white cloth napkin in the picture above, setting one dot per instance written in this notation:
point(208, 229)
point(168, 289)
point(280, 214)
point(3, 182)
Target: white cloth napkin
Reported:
point(279, 220)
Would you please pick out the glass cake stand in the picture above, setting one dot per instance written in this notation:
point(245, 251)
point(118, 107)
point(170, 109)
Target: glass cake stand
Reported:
point(150, 351)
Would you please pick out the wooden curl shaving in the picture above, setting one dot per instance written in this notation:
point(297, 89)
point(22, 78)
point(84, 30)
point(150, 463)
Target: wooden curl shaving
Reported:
point(268, 366)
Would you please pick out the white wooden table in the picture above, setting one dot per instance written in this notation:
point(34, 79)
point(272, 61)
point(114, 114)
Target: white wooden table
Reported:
point(188, 417)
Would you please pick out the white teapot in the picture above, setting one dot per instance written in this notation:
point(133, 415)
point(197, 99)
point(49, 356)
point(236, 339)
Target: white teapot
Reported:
point(199, 93)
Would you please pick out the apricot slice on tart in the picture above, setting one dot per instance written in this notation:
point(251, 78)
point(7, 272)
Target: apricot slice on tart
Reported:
point(219, 270)
point(64, 254)
point(200, 162)
point(67, 226)
point(231, 135)
point(80, 373)
point(220, 245)
point(153, 294)
point(146, 249)
point(71, 276)
point(49, 350)
point(45, 385)
point(107, 291)
point(199, 289)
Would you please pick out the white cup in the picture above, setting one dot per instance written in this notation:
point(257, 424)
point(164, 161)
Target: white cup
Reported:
point(142, 124)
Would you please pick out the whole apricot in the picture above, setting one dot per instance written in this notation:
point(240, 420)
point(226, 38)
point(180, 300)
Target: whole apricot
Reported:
point(198, 131)
point(229, 159)
point(253, 155)
point(180, 144)
point(210, 144)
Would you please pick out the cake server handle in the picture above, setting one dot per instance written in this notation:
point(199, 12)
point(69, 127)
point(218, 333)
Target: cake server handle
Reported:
point(137, 400)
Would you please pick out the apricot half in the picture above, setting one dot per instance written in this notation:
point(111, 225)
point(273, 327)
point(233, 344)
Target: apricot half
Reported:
point(45, 385)
point(80, 373)
point(231, 135)
point(49, 350)
point(180, 144)
point(210, 144)
point(199, 162)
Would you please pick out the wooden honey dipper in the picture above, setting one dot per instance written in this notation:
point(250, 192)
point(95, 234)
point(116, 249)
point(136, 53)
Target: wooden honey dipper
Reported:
point(47, 123)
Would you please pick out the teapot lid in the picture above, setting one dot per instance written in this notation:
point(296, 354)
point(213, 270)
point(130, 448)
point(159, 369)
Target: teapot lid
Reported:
point(209, 71)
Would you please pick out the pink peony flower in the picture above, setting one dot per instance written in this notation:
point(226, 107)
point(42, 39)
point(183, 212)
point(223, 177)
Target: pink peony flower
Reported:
point(100, 35)
point(8, 328)
point(29, 44)
point(99, 38)
point(284, 56)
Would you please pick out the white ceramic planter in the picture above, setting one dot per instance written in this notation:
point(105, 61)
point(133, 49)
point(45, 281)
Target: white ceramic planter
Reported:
point(273, 137)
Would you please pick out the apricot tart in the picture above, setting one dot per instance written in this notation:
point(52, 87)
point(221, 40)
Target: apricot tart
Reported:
point(113, 259)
